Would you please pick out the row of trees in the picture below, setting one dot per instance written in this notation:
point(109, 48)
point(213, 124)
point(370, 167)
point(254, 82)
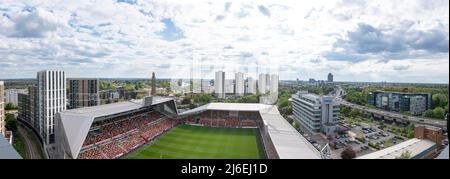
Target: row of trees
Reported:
point(417, 89)
point(196, 100)
point(284, 105)
point(349, 112)
point(437, 113)
point(358, 96)
point(127, 85)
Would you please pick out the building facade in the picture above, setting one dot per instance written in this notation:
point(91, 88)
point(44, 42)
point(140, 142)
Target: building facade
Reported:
point(27, 107)
point(23, 107)
point(219, 84)
point(262, 83)
point(109, 96)
point(51, 100)
point(83, 93)
point(273, 88)
point(315, 113)
point(415, 103)
point(12, 96)
point(2, 109)
point(251, 86)
point(267, 82)
point(239, 84)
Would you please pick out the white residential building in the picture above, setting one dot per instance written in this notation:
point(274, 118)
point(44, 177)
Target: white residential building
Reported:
point(229, 86)
point(239, 84)
point(274, 84)
point(267, 82)
point(219, 84)
point(51, 100)
point(262, 84)
point(251, 86)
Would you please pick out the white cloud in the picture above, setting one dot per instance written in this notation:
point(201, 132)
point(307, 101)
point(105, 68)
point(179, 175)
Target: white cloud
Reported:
point(111, 39)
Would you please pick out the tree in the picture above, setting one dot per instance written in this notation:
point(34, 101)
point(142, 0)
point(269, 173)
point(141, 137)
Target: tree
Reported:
point(355, 113)
point(186, 100)
point(381, 124)
point(202, 98)
point(290, 120)
point(296, 125)
point(11, 122)
point(429, 113)
point(254, 98)
point(348, 153)
point(439, 113)
point(355, 96)
point(405, 155)
point(10, 106)
point(345, 111)
point(439, 100)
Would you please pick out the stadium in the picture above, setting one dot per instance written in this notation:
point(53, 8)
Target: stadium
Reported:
point(152, 128)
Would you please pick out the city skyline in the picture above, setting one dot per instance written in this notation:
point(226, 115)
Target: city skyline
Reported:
point(354, 40)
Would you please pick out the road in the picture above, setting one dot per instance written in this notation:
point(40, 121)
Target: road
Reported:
point(32, 148)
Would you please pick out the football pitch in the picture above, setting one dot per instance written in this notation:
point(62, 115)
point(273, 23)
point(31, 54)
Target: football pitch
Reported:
point(198, 142)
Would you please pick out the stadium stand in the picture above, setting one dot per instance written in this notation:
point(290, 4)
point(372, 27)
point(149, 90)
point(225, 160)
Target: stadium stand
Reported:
point(115, 137)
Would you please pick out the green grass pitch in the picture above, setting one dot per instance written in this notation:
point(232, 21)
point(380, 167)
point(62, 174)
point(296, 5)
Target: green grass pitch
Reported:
point(197, 142)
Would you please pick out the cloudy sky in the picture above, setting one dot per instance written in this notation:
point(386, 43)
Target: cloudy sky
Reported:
point(383, 40)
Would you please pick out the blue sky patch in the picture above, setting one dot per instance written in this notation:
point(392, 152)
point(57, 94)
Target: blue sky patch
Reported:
point(132, 2)
point(171, 32)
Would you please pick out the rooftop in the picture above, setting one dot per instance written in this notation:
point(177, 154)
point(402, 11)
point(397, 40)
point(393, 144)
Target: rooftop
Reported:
point(396, 92)
point(444, 154)
point(415, 146)
point(7, 151)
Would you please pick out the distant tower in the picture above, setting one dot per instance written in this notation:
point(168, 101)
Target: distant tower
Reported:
point(219, 84)
point(153, 92)
point(330, 77)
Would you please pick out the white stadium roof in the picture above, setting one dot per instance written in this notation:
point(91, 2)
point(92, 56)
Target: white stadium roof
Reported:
point(288, 142)
point(415, 146)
